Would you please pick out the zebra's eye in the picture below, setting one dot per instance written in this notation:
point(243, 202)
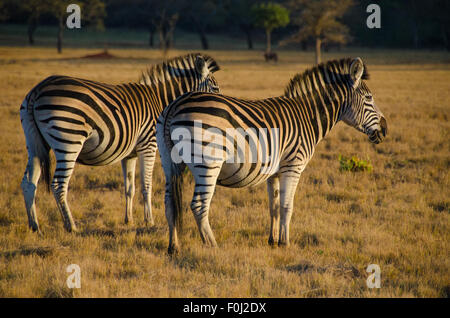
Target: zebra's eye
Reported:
point(369, 97)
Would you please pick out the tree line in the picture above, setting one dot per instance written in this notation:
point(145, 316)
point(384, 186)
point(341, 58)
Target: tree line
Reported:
point(296, 23)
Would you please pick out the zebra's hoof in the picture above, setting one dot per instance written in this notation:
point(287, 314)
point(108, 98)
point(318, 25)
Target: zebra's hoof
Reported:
point(149, 222)
point(37, 231)
point(272, 242)
point(173, 250)
point(283, 244)
point(35, 228)
point(71, 229)
point(129, 221)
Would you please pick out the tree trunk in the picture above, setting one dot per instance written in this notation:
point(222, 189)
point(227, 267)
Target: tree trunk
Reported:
point(415, 30)
point(249, 40)
point(304, 45)
point(268, 46)
point(445, 37)
point(248, 32)
point(171, 29)
point(32, 25)
point(151, 36)
point(318, 44)
point(201, 32)
point(203, 39)
point(415, 23)
point(162, 41)
point(169, 41)
point(60, 33)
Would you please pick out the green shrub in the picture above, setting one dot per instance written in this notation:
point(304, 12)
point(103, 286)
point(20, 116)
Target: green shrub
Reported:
point(354, 164)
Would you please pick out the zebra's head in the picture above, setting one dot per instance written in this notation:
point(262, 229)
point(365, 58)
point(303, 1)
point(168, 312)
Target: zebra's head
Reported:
point(191, 72)
point(204, 67)
point(360, 110)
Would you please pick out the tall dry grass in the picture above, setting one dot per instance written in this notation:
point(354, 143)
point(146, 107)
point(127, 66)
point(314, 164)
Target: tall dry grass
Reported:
point(396, 217)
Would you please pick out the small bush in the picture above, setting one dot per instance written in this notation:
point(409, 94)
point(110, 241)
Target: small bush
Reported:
point(354, 164)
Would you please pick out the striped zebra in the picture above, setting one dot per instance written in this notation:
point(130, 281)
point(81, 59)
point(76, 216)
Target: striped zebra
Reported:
point(292, 126)
point(99, 124)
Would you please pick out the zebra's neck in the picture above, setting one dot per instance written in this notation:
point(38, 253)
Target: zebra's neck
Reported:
point(320, 105)
point(170, 89)
point(172, 78)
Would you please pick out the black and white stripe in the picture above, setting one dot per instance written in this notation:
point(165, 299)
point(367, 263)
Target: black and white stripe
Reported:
point(99, 124)
point(313, 103)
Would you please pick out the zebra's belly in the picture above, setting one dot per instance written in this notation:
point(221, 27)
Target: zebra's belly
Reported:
point(96, 153)
point(235, 175)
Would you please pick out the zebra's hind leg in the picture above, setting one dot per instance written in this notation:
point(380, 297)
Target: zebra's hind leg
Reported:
point(203, 192)
point(129, 168)
point(146, 162)
point(170, 216)
point(273, 189)
point(29, 186)
point(288, 185)
point(65, 163)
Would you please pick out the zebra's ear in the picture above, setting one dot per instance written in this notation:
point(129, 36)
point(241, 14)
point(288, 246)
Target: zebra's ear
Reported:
point(356, 70)
point(200, 66)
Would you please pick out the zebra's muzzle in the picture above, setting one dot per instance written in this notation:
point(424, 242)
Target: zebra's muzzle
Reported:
point(383, 125)
point(378, 135)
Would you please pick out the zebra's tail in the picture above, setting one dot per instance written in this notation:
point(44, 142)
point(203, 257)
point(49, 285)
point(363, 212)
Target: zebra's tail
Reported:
point(35, 142)
point(165, 146)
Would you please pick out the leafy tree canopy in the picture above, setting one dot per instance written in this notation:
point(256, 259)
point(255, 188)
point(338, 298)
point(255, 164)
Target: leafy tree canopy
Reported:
point(270, 15)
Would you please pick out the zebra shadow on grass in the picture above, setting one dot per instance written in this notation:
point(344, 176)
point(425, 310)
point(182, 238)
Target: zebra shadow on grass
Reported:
point(346, 270)
point(41, 251)
point(118, 232)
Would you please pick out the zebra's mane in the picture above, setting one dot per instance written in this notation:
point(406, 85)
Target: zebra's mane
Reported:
point(330, 72)
point(181, 66)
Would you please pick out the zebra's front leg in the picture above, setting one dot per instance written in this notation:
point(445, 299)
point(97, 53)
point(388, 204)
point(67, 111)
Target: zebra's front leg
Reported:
point(288, 185)
point(60, 184)
point(129, 171)
point(273, 189)
point(146, 162)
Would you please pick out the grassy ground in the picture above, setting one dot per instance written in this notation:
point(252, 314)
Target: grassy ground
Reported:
point(396, 217)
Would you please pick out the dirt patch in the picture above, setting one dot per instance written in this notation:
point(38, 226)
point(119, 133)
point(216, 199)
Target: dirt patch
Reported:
point(101, 55)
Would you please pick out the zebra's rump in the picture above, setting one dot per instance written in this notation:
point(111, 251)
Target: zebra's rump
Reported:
point(86, 117)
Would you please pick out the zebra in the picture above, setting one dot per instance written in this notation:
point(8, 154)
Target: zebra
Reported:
point(99, 124)
point(314, 101)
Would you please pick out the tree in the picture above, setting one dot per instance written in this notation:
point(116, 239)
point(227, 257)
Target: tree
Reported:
point(34, 9)
point(92, 13)
point(270, 16)
point(31, 9)
point(440, 10)
point(318, 19)
point(163, 16)
point(204, 14)
point(240, 13)
point(133, 14)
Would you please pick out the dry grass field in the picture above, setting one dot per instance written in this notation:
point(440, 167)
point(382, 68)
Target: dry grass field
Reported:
point(396, 216)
